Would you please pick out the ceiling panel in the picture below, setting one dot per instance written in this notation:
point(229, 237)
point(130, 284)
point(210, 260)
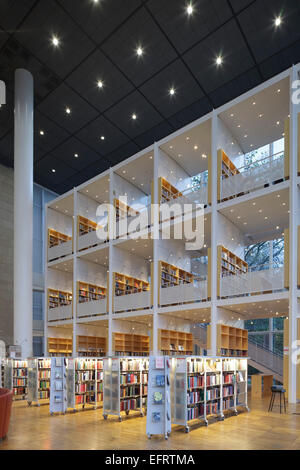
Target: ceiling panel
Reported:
point(258, 25)
point(84, 155)
point(154, 135)
point(139, 30)
point(43, 169)
point(101, 127)
point(176, 76)
point(98, 68)
point(12, 12)
point(227, 42)
point(3, 37)
point(7, 149)
point(48, 19)
point(191, 113)
point(108, 15)
point(47, 134)
point(55, 105)
point(184, 30)
point(135, 103)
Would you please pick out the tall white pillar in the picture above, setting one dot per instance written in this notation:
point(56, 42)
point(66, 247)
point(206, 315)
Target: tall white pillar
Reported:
point(214, 229)
point(23, 210)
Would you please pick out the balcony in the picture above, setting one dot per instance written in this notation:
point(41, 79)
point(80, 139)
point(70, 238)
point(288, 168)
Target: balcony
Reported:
point(184, 293)
point(132, 302)
point(60, 313)
point(258, 280)
point(269, 170)
point(60, 250)
point(92, 308)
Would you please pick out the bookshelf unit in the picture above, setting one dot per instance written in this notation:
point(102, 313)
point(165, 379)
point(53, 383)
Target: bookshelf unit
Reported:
point(231, 341)
point(88, 382)
point(225, 169)
point(166, 191)
point(125, 285)
point(171, 275)
point(59, 244)
point(60, 346)
point(123, 210)
point(91, 299)
point(44, 372)
point(202, 387)
point(91, 346)
point(38, 384)
point(127, 344)
point(228, 264)
point(125, 386)
point(59, 305)
point(19, 385)
point(87, 233)
point(175, 342)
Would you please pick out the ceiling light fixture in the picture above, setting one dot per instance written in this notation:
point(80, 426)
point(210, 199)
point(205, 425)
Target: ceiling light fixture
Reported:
point(139, 51)
point(42, 133)
point(278, 21)
point(76, 155)
point(55, 41)
point(172, 91)
point(102, 137)
point(219, 60)
point(100, 84)
point(53, 170)
point(134, 116)
point(190, 9)
point(68, 110)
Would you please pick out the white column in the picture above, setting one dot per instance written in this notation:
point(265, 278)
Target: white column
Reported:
point(75, 276)
point(23, 210)
point(111, 268)
point(155, 234)
point(214, 228)
point(293, 245)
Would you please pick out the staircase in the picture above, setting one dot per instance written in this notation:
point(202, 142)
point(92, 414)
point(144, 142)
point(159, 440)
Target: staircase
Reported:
point(265, 360)
point(260, 357)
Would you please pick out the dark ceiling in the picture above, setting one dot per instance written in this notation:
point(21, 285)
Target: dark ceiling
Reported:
point(99, 40)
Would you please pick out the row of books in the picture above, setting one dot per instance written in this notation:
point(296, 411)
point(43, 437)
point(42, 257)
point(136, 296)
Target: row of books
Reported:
point(212, 380)
point(44, 374)
point(132, 404)
point(195, 366)
point(228, 378)
point(195, 397)
point(85, 388)
point(20, 391)
point(43, 394)
point(131, 391)
point(212, 394)
point(20, 372)
point(19, 382)
point(227, 391)
point(84, 376)
point(129, 379)
point(44, 384)
point(133, 365)
point(195, 382)
point(86, 364)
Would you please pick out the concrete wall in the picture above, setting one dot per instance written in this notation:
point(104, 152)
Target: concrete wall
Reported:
point(6, 253)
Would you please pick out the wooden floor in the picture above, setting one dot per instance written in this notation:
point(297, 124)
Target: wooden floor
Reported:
point(34, 428)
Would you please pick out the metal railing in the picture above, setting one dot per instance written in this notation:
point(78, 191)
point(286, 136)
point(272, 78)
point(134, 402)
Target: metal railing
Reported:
point(267, 358)
point(254, 176)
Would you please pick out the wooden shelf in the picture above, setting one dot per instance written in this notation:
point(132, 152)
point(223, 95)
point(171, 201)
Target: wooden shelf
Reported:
point(229, 263)
point(128, 344)
point(225, 169)
point(123, 210)
point(171, 275)
point(231, 341)
point(85, 225)
point(90, 292)
point(56, 238)
point(57, 298)
point(91, 346)
point(124, 285)
point(175, 342)
point(60, 346)
point(166, 191)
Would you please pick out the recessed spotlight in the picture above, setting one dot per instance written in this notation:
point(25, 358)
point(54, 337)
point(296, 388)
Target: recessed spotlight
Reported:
point(278, 21)
point(53, 170)
point(195, 147)
point(219, 60)
point(231, 115)
point(100, 84)
point(277, 123)
point(76, 155)
point(55, 41)
point(203, 155)
point(172, 91)
point(190, 9)
point(254, 103)
point(239, 126)
point(42, 133)
point(139, 51)
point(246, 135)
point(102, 137)
point(134, 116)
point(68, 110)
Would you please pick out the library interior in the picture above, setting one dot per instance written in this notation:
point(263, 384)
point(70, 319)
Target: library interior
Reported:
point(150, 225)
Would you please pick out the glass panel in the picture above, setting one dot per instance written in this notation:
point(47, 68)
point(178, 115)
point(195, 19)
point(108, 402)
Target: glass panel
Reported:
point(32, 384)
point(278, 342)
point(262, 324)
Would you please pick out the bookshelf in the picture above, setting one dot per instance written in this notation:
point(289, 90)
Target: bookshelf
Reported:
point(166, 191)
point(228, 264)
point(123, 210)
point(127, 344)
point(59, 244)
point(170, 275)
point(231, 341)
point(19, 385)
point(125, 386)
point(85, 226)
point(60, 346)
point(225, 169)
point(87, 233)
point(88, 382)
point(204, 387)
point(90, 292)
point(58, 298)
point(91, 346)
point(44, 372)
point(125, 285)
point(175, 342)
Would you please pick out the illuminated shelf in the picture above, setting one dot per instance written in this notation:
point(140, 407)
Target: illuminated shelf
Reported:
point(92, 346)
point(175, 342)
point(125, 285)
point(60, 346)
point(166, 191)
point(90, 292)
point(231, 341)
point(127, 344)
point(172, 275)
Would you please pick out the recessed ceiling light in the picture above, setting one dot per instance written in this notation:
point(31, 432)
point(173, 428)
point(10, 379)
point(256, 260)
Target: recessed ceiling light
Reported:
point(68, 110)
point(239, 126)
point(76, 155)
point(219, 60)
point(172, 91)
point(195, 147)
point(55, 41)
point(277, 123)
point(254, 103)
point(231, 115)
point(203, 155)
point(42, 133)
point(134, 116)
point(278, 21)
point(102, 137)
point(139, 51)
point(100, 84)
point(190, 9)
point(53, 170)
point(246, 135)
